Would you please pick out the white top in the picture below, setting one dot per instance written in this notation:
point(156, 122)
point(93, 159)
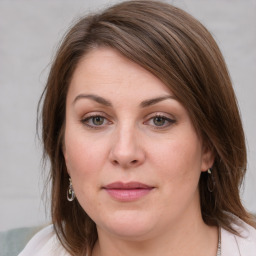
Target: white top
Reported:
point(45, 242)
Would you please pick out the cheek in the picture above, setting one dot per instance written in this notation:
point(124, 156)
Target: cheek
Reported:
point(84, 159)
point(179, 155)
point(82, 153)
point(179, 162)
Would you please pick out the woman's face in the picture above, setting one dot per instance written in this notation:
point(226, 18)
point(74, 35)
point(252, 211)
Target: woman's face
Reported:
point(131, 150)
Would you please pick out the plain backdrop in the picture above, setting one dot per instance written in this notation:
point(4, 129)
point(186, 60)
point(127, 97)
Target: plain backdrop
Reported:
point(29, 36)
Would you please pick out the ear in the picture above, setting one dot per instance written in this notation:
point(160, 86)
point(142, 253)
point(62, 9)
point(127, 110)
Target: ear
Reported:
point(208, 157)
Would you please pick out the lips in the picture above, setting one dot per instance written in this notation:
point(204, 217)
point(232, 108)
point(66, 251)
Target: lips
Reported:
point(127, 191)
point(129, 185)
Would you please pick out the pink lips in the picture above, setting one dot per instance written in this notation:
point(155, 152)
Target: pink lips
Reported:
point(127, 191)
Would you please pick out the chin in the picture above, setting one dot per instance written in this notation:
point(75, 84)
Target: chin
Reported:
point(128, 225)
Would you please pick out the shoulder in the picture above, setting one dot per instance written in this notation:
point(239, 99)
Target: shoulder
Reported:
point(45, 242)
point(243, 245)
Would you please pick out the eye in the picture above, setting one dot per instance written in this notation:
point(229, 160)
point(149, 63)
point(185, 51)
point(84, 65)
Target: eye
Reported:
point(160, 121)
point(95, 121)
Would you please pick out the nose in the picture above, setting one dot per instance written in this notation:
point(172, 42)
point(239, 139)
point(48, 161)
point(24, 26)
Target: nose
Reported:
point(127, 151)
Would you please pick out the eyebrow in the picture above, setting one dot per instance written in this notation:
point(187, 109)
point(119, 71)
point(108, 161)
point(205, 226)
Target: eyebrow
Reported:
point(94, 97)
point(150, 102)
point(105, 102)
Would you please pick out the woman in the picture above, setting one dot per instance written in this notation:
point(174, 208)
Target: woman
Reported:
point(143, 132)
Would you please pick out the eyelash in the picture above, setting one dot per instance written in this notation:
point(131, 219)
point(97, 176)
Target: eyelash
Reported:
point(87, 119)
point(165, 119)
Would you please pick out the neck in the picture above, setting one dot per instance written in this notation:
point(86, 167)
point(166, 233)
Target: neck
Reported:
point(192, 239)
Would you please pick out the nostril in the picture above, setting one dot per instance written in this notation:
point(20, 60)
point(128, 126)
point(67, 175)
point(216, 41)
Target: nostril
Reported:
point(115, 162)
point(134, 161)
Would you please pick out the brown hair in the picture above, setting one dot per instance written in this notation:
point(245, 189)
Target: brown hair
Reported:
point(180, 51)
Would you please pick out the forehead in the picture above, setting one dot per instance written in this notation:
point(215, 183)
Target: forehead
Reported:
point(104, 70)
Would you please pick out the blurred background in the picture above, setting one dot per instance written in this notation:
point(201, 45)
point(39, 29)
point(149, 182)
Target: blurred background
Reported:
point(29, 35)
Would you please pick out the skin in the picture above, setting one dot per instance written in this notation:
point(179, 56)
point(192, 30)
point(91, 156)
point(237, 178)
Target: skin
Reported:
point(155, 144)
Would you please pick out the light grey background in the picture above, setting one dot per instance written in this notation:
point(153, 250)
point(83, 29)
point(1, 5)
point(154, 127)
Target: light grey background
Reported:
point(29, 35)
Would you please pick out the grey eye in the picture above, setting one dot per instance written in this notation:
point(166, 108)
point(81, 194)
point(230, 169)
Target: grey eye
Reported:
point(98, 120)
point(159, 121)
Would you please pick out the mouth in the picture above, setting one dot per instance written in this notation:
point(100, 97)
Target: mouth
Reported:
point(127, 192)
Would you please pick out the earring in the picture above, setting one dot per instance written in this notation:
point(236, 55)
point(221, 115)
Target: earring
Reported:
point(70, 193)
point(210, 181)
